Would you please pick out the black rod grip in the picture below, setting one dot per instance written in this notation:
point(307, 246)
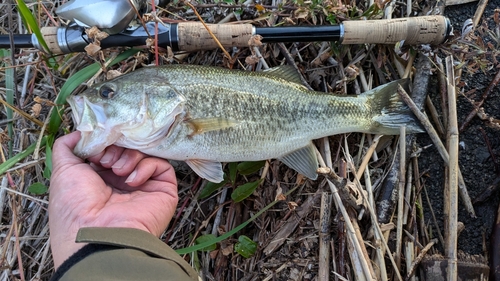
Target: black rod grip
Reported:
point(117, 40)
point(300, 33)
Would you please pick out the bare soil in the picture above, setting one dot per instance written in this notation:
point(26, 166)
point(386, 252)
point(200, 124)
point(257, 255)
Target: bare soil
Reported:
point(479, 167)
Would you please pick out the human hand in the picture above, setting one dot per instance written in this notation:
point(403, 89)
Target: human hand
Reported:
point(120, 188)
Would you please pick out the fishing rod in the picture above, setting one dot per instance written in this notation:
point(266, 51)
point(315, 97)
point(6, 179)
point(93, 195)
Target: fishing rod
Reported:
point(115, 17)
point(193, 36)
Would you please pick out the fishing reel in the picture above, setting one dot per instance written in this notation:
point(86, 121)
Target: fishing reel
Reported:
point(110, 16)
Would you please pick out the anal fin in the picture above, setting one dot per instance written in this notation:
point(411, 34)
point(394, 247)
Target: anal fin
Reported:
point(206, 169)
point(303, 160)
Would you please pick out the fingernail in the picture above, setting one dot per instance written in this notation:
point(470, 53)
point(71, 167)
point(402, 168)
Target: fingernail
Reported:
point(108, 156)
point(131, 177)
point(119, 164)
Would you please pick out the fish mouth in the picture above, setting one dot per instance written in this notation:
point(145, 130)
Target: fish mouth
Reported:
point(77, 104)
point(86, 115)
point(90, 119)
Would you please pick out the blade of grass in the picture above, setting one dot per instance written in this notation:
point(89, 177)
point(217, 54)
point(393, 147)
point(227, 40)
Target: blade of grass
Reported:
point(20, 156)
point(205, 238)
point(71, 84)
point(9, 96)
point(228, 234)
point(31, 22)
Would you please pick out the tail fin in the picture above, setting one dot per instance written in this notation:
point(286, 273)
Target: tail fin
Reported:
point(390, 111)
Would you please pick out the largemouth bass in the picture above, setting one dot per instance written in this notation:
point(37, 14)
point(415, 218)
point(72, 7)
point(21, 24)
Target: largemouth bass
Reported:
point(208, 115)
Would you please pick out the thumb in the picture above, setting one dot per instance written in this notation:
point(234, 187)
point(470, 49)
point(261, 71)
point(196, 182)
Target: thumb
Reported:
point(62, 152)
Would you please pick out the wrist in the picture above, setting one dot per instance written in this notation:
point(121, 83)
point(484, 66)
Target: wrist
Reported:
point(63, 249)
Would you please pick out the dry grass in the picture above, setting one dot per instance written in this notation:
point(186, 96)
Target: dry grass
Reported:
point(297, 238)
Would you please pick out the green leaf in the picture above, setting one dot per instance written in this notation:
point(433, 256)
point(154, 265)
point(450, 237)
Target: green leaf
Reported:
point(250, 167)
point(47, 172)
point(332, 19)
point(233, 171)
point(246, 247)
point(210, 187)
point(238, 12)
point(30, 20)
point(38, 188)
point(207, 238)
point(52, 63)
point(9, 94)
point(74, 81)
point(4, 53)
point(372, 12)
point(243, 191)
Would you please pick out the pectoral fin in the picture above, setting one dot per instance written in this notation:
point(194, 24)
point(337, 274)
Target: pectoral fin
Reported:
point(209, 170)
point(303, 161)
point(202, 125)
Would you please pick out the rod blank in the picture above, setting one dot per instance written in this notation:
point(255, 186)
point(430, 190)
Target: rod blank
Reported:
point(20, 41)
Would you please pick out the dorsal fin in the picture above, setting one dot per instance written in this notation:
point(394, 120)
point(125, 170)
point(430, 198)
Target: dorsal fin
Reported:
point(287, 72)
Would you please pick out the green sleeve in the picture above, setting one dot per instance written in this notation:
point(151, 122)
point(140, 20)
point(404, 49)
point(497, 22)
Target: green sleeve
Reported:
point(123, 254)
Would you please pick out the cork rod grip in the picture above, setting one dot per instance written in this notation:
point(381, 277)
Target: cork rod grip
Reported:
point(418, 30)
point(49, 33)
point(193, 36)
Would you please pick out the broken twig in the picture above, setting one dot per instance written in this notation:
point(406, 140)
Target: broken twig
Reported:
point(324, 237)
point(419, 258)
point(451, 192)
point(401, 194)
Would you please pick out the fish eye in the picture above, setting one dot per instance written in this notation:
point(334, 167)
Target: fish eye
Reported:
point(106, 92)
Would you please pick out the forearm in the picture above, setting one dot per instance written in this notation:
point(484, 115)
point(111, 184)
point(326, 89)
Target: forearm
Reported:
point(123, 254)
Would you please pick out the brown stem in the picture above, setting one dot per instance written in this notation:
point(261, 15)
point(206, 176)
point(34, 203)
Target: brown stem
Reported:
point(478, 105)
point(488, 144)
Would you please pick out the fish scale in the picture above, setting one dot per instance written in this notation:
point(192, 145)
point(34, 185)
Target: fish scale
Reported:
point(208, 115)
